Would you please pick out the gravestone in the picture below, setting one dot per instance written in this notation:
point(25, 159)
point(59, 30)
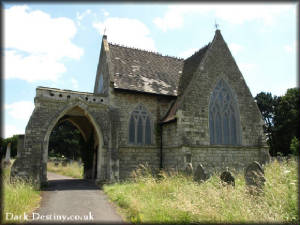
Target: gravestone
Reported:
point(56, 163)
point(200, 174)
point(7, 156)
point(255, 177)
point(189, 169)
point(227, 178)
point(64, 163)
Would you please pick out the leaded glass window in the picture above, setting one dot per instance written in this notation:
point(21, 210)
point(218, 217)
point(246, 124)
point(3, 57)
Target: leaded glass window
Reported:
point(140, 127)
point(223, 116)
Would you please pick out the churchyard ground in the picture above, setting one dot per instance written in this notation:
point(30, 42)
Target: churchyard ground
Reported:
point(179, 199)
point(19, 197)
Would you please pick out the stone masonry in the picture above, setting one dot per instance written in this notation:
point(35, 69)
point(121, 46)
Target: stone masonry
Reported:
point(176, 94)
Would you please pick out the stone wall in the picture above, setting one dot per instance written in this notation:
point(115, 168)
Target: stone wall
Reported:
point(212, 158)
point(131, 157)
point(126, 102)
point(193, 112)
point(51, 105)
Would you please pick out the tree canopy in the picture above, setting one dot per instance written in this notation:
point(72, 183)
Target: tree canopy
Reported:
point(281, 115)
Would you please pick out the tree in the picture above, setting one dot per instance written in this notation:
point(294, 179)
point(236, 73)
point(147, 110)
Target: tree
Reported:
point(286, 120)
point(267, 104)
point(13, 148)
point(281, 115)
point(65, 139)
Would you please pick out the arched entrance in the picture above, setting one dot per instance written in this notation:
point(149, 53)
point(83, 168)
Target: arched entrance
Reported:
point(91, 134)
point(91, 114)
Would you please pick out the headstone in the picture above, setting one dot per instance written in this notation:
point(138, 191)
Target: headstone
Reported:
point(7, 155)
point(56, 163)
point(64, 163)
point(200, 174)
point(254, 177)
point(6, 161)
point(189, 169)
point(227, 178)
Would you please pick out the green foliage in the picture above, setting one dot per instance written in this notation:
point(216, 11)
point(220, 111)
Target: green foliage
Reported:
point(281, 115)
point(65, 140)
point(295, 146)
point(178, 199)
point(18, 197)
point(71, 170)
point(13, 148)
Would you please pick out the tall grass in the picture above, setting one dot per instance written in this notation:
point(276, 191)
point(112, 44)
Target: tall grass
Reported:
point(179, 199)
point(19, 197)
point(71, 170)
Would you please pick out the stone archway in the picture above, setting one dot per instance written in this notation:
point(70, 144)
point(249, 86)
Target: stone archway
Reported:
point(53, 106)
point(87, 126)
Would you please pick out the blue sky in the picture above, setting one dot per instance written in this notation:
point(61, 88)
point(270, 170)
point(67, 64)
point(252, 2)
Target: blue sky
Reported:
point(58, 45)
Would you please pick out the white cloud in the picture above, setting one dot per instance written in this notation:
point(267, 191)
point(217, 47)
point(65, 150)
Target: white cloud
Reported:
point(235, 48)
point(36, 40)
point(11, 130)
point(232, 13)
point(74, 83)
point(291, 48)
point(105, 13)
point(81, 16)
point(188, 53)
point(21, 110)
point(129, 32)
point(32, 67)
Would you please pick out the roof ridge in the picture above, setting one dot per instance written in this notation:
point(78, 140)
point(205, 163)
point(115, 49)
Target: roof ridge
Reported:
point(196, 52)
point(144, 50)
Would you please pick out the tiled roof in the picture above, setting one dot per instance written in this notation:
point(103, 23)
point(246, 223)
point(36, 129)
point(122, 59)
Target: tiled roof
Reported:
point(145, 71)
point(190, 66)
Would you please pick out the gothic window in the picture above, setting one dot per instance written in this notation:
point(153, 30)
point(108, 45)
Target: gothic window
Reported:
point(140, 127)
point(100, 83)
point(223, 116)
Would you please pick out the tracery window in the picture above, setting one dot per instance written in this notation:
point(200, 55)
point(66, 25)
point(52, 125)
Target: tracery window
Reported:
point(140, 127)
point(223, 116)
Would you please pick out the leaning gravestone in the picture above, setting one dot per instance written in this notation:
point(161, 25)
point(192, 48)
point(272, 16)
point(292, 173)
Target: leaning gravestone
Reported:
point(189, 169)
point(255, 177)
point(227, 178)
point(200, 174)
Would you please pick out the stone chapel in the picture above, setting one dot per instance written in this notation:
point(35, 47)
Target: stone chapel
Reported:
point(154, 109)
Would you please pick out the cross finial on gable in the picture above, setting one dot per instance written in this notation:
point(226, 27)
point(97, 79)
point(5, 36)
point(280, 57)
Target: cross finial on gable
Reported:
point(216, 25)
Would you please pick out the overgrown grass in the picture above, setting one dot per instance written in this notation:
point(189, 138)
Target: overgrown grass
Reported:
point(179, 199)
point(19, 197)
point(71, 170)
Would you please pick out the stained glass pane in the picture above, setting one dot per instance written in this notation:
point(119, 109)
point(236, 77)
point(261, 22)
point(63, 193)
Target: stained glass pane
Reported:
point(140, 131)
point(223, 116)
point(226, 129)
point(218, 128)
point(148, 131)
point(212, 130)
point(233, 130)
point(131, 130)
